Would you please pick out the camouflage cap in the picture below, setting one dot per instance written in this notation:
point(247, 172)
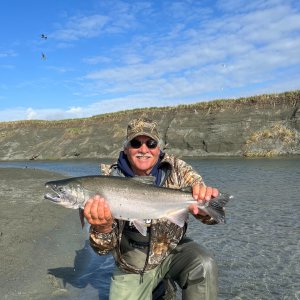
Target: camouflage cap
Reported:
point(142, 126)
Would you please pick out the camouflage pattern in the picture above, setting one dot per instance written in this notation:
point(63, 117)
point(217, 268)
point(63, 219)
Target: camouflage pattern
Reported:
point(142, 126)
point(165, 235)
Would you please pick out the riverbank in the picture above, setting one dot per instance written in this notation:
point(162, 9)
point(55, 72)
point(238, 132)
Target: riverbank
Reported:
point(260, 126)
point(35, 236)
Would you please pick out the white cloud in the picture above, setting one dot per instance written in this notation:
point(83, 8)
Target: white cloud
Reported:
point(7, 53)
point(59, 69)
point(81, 27)
point(171, 53)
point(94, 60)
point(31, 114)
point(253, 44)
point(100, 107)
point(7, 66)
point(115, 17)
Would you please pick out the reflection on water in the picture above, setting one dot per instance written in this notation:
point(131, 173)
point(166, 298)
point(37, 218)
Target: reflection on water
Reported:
point(258, 250)
point(90, 271)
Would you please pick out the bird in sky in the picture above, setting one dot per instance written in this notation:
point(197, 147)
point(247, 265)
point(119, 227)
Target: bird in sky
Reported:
point(43, 36)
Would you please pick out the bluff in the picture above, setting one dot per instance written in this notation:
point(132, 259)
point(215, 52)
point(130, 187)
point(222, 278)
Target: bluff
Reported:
point(265, 125)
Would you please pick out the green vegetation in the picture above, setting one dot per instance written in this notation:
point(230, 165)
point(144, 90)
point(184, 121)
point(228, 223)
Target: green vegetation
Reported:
point(289, 98)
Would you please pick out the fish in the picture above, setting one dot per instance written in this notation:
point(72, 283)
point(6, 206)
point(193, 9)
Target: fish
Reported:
point(134, 199)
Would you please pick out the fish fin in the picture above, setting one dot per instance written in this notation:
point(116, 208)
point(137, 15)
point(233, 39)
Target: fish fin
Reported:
point(217, 215)
point(215, 207)
point(179, 218)
point(81, 216)
point(140, 226)
point(144, 179)
point(223, 199)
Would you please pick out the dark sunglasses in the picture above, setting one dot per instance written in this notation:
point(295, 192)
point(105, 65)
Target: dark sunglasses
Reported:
point(136, 144)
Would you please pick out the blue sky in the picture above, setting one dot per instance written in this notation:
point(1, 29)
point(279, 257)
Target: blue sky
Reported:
point(108, 55)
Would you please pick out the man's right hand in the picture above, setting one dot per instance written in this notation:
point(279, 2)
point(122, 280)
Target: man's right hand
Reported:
point(97, 213)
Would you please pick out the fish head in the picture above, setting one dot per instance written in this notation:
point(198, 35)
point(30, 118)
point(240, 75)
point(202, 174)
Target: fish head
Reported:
point(66, 192)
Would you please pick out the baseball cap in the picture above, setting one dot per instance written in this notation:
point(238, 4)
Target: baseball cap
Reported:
point(142, 126)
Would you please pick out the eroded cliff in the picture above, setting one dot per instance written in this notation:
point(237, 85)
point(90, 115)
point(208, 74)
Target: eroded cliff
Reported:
point(265, 125)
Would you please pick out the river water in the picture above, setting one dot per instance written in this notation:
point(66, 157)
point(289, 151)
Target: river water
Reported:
point(258, 250)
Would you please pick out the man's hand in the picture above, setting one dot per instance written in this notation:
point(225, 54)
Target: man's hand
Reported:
point(97, 213)
point(202, 193)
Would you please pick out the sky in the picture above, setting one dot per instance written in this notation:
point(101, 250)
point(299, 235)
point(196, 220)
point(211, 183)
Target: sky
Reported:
point(78, 58)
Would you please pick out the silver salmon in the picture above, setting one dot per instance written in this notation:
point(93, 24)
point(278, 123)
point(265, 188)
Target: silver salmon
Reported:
point(134, 199)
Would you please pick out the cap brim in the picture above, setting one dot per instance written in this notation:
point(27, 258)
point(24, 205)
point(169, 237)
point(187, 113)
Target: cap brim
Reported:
point(131, 137)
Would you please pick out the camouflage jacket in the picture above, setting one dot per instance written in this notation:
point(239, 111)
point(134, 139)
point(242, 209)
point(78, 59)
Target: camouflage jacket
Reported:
point(163, 235)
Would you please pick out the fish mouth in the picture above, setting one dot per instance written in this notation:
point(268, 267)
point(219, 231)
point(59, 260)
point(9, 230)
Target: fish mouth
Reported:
point(54, 196)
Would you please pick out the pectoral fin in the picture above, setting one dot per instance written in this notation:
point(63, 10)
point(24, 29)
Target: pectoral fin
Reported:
point(81, 217)
point(178, 217)
point(140, 226)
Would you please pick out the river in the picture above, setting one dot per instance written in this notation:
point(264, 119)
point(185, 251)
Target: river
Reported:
point(257, 250)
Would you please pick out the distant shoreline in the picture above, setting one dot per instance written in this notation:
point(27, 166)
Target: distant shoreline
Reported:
point(113, 159)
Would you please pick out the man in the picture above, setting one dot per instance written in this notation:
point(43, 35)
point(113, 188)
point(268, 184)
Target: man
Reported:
point(142, 262)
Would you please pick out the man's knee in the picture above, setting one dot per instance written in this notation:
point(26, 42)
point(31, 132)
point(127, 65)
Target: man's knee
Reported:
point(210, 266)
point(202, 266)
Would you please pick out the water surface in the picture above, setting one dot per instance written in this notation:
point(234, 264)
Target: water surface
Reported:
point(258, 250)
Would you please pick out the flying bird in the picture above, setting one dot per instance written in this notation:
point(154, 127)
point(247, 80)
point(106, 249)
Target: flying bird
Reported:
point(43, 36)
point(43, 56)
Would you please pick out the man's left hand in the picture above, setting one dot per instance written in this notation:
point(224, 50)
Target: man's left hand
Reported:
point(202, 193)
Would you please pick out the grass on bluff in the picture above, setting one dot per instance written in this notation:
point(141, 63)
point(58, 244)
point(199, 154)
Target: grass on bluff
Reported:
point(291, 98)
point(269, 142)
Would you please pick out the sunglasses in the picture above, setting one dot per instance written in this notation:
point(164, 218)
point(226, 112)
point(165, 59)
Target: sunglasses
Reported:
point(136, 144)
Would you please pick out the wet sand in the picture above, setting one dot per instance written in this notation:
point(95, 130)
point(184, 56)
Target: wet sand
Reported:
point(36, 236)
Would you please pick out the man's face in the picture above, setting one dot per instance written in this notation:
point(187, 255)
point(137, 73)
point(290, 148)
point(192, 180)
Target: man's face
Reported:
point(142, 159)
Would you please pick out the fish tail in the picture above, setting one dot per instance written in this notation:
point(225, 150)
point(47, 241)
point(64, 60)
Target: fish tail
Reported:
point(215, 207)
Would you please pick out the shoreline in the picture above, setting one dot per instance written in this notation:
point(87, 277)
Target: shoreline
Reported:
point(35, 236)
point(113, 159)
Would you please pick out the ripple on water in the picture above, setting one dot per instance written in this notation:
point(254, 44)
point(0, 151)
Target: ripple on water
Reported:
point(258, 250)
